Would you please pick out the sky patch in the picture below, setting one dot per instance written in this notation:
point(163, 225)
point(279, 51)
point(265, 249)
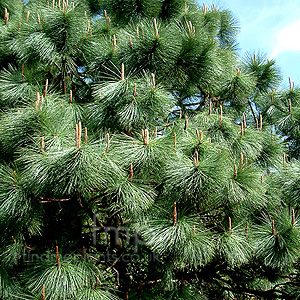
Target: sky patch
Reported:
point(271, 27)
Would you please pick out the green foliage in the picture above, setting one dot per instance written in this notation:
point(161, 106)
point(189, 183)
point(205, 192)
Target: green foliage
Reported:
point(189, 245)
point(133, 133)
point(235, 248)
point(278, 250)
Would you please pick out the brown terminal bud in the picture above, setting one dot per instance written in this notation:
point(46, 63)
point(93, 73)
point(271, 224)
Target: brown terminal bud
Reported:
point(196, 159)
point(43, 293)
point(108, 142)
point(42, 145)
point(153, 81)
point(85, 135)
point(290, 106)
point(260, 122)
point(242, 128)
point(175, 214)
point(235, 172)
point(186, 123)
point(134, 90)
point(37, 102)
point(273, 227)
point(46, 88)
point(146, 139)
point(23, 79)
point(272, 96)
point(175, 141)
point(221, 113)
point(57, 257)
point(156, 29)
point(155, 133)
point(79, 132)
point(97, 281)
point(5, 15)
point(229, 224)
point(241, 160)
point(247, 229)
point(293, 217)
point(122, 72)
point(76, 135)
point(131, 172)
point(114, 43)
point(204, 8)
point(277, 237)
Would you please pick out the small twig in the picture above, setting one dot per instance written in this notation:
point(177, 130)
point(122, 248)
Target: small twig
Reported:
point(114, 263)
point(47, 200)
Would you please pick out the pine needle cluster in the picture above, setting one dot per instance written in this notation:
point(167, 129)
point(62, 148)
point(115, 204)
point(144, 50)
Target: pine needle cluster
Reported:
point(141, 157)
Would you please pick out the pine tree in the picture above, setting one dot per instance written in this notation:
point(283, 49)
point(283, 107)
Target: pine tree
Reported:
point(142, 157)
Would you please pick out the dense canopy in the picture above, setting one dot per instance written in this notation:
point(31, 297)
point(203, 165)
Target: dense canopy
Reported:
point(142, 157)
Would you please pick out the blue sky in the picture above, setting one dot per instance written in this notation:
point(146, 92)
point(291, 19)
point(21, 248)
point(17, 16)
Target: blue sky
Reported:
point(271, 27)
